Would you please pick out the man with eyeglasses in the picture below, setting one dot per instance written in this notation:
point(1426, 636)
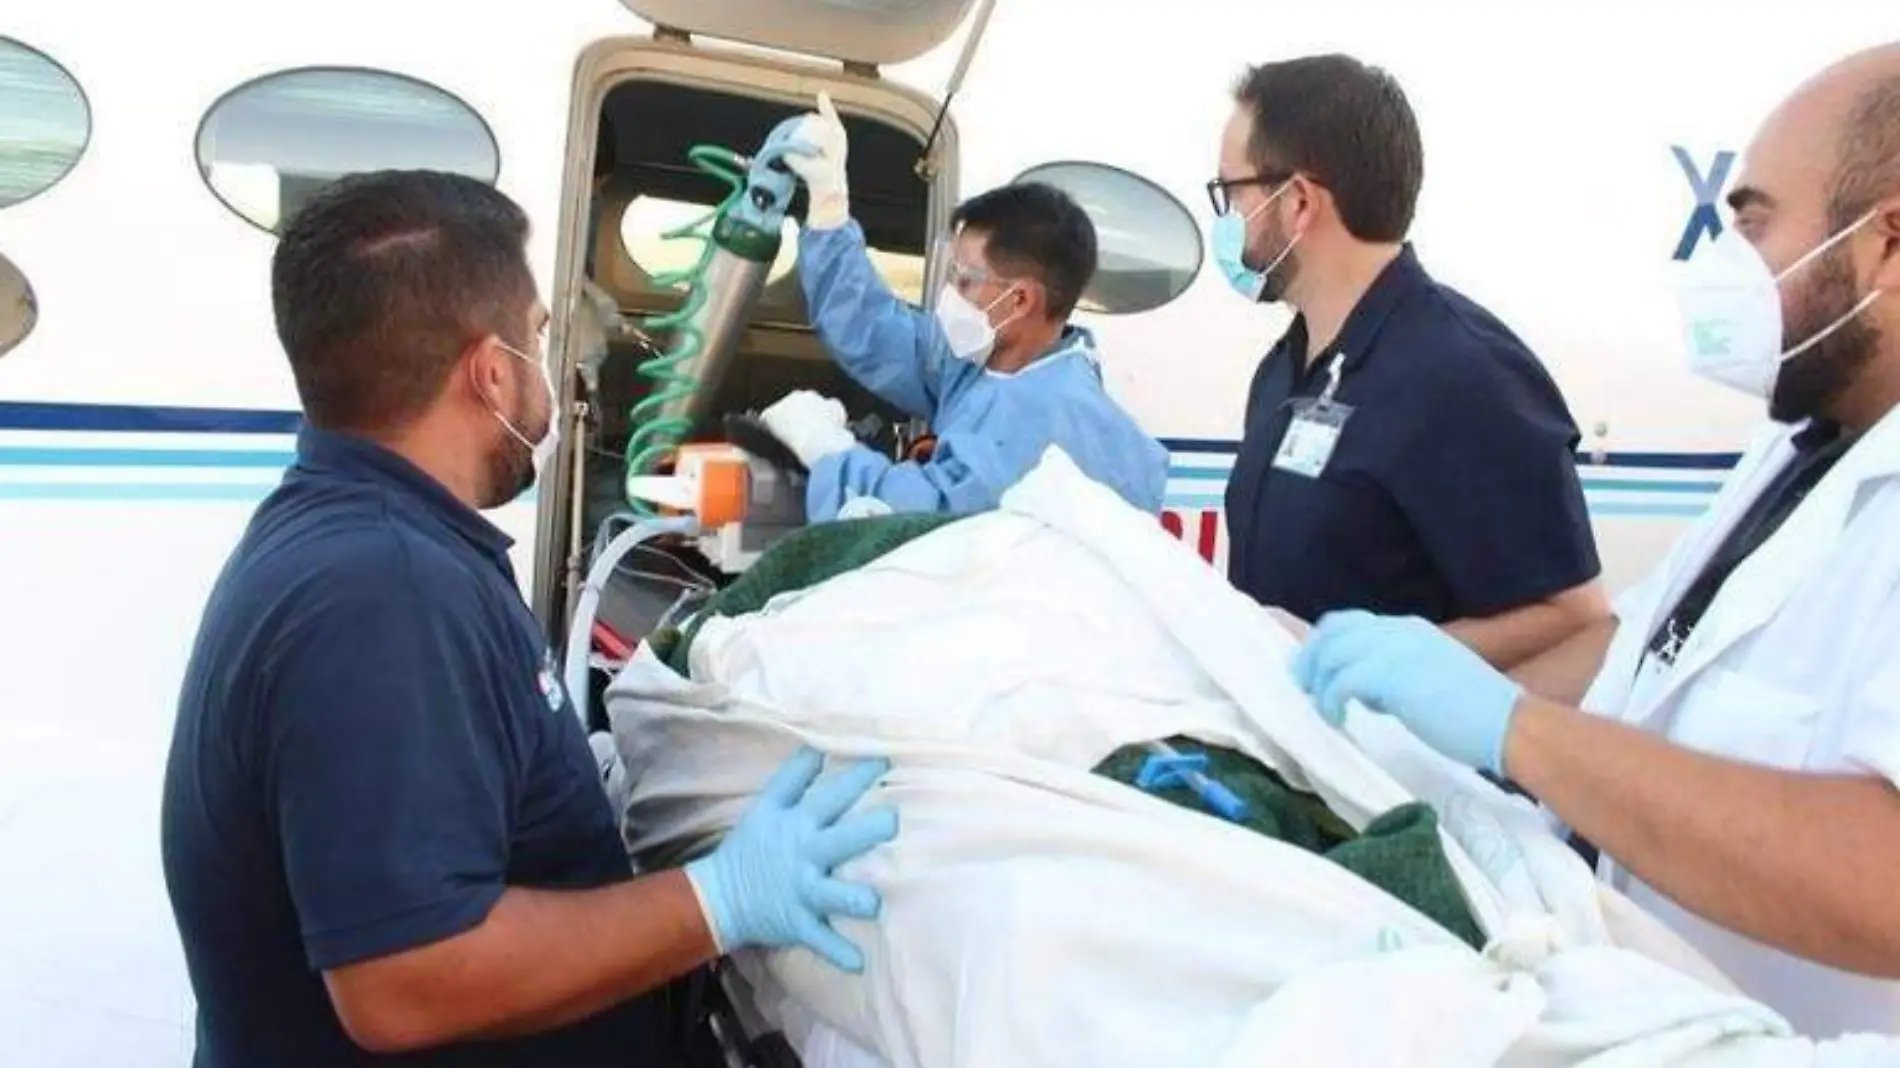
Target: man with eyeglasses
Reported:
point(998, 371)
point(1403, 451)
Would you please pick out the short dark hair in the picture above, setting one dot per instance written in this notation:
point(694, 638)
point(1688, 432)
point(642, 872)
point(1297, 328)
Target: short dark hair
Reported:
point(383, 279)
point(1346, 125)
point(1035, 229)
point(1867, 166)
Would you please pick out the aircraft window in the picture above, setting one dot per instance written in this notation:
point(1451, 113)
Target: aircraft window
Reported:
point(648, 219)
point(45, 123)
point(267, 146)
point(903, 273)
point(1149, 243)
point(18, 310)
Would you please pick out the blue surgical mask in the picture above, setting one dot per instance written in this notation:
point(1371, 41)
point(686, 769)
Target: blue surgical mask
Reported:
point(1230, 249)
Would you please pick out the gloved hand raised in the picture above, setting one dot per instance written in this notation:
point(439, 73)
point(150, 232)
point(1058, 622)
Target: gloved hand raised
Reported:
point(769, 883)
point(816, 150)
point(810, 424)
point(1404, 667)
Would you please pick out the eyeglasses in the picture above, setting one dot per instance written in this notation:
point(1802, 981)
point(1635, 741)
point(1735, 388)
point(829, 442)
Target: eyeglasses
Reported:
point(1219, 189)
point(965, 275)
point(971, 278)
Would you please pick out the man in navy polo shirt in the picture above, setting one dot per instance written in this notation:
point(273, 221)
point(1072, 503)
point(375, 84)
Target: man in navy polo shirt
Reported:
point(1403, 452)
point(383, 831)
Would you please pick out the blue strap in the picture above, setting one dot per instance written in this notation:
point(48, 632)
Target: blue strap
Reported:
point(1161, 770)
point(1170, 769)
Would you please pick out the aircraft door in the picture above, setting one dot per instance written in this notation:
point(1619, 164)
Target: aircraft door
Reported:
point(861, 32)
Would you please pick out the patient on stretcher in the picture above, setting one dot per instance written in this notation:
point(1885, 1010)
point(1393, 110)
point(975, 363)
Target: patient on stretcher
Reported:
point(1399, 851)
point(1040, 908)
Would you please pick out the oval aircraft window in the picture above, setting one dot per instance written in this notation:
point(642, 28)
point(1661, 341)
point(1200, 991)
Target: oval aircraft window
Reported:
point(45, 123)
point(267, 146)
point(18, 310)
point(1148, 243)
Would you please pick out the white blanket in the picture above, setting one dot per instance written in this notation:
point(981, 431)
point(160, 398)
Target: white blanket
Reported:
point(1037, 914)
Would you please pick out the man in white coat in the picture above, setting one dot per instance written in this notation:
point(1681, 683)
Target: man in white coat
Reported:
point(1737, 762)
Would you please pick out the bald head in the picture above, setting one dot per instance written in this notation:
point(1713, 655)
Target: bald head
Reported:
point(1819, 198)
point(1825, 157)
point(1865, 88)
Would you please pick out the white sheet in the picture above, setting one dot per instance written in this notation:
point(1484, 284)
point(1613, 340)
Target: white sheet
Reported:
point(1036, 914)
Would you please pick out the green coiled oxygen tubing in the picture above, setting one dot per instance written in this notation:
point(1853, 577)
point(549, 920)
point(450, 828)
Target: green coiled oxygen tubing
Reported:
point(653, 437)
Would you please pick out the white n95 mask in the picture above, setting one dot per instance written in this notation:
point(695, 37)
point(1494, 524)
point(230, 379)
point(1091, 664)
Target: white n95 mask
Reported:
point(967, 327)
point(1731, 313)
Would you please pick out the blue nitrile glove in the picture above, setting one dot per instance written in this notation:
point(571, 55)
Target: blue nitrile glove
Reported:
point(1405, 667)
point(769, 883)
point(770, 180)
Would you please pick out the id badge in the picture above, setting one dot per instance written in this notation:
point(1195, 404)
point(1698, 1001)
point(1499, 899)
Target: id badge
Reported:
point(1308, 444)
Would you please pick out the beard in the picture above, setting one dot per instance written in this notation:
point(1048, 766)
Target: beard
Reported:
point(1281, 277)
point(510, 471)
point(510, 465)
point(1808, 385)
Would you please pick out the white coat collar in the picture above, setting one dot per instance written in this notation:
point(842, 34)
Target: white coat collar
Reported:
point(1761, 584)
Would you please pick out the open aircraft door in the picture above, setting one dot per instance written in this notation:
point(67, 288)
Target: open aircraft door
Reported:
point(639, 105)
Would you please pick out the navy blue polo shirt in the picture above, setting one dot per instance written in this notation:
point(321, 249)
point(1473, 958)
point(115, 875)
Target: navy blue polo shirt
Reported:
point(371, 744)
point(1452, 490)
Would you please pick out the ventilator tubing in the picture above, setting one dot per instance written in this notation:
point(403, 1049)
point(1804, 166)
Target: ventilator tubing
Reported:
point(581, 629)
point(739, 240)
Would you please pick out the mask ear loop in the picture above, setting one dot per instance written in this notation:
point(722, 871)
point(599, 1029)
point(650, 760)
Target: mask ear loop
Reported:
point(1824, 333)
point(547, 381)
point(1267, 203)
point(1284, 253)
point(1821, 249)
point(1014, 287)
point(1865, 302)
point(1264, 272)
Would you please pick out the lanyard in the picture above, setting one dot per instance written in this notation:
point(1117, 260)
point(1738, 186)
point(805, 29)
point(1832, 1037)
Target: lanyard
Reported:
point(1307, 446)
point(1334, 370)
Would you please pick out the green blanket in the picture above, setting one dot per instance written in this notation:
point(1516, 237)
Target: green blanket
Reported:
point(1399, 852)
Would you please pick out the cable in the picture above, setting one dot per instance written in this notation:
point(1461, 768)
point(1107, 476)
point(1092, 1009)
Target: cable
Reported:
point(924, 168)
point(580, 631)
point(604, 535)
point(653, 437)
point(686, 605)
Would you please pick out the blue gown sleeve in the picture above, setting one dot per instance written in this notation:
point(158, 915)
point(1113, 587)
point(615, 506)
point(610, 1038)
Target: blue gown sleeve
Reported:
point(1152, 492)
point(889, 347)
point(965, 473)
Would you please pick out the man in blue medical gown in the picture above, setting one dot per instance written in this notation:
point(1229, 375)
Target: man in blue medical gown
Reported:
point(998, 371)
